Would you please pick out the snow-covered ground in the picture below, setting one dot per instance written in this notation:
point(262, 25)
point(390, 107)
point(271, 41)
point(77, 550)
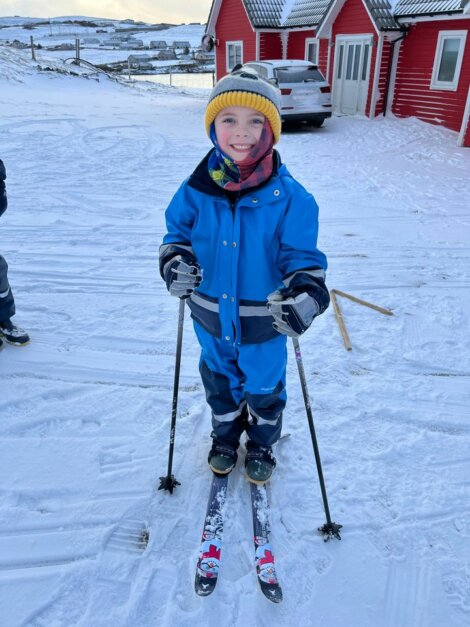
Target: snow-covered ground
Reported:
point(85, 408)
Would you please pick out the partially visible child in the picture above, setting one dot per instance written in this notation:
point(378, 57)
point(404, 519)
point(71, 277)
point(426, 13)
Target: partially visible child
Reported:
point(242, 247)
point(8, 331)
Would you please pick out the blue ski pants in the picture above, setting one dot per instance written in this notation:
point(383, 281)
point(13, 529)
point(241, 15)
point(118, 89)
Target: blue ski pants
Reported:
point(245, 387)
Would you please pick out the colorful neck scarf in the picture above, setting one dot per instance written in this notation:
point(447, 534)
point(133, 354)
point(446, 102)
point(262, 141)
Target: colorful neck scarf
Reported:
point(251, 172)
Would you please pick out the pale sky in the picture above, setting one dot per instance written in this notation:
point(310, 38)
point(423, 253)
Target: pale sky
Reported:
point(173, 11)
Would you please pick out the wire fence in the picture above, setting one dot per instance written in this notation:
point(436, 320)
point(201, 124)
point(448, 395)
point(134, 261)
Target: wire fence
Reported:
point(197, 80)
point(182, 71)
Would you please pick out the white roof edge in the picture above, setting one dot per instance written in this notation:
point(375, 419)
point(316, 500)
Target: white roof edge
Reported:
point(213, 16)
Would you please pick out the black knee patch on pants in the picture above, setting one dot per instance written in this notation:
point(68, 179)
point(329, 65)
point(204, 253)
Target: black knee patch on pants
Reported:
point(219, 396)
point(267, 416)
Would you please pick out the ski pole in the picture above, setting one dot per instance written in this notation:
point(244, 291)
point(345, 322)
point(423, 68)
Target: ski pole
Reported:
point(169, 482)
point(330, 529)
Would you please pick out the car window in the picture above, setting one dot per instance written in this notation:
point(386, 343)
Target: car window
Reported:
point(301, 74)
point(262, 71)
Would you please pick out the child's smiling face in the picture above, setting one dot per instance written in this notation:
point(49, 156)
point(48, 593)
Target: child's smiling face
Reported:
point(238, 130)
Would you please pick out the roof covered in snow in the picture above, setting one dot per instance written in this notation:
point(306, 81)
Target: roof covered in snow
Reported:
point(296, 13)
point(264, 12)
point(382, 14)
point(306, 12)
point(428, 7)
point(285, 13)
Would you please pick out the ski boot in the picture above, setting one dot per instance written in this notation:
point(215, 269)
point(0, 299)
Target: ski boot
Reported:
point(222, 458)
point(259, 463)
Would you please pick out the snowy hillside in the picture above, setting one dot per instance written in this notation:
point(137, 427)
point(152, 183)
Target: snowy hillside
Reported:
point(86, 407)
point(65, 30)
point(96, 43)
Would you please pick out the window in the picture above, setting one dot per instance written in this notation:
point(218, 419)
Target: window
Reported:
point(448, 59)
point(234, 51)
point(259, 69)
point(340, 60)
point(311, 50)
point(307, 74)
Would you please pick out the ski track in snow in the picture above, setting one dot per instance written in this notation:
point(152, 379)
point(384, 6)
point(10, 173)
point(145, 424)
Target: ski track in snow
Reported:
point(86, 406)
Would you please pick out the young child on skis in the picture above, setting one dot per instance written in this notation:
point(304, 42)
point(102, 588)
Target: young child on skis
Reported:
point(241, 246)
point(8, 331)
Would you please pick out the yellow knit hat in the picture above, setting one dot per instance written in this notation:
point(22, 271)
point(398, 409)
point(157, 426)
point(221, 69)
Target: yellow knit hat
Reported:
point(245, 88)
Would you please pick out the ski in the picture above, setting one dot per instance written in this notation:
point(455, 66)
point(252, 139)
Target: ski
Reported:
point(208, 562)
point(264, 557)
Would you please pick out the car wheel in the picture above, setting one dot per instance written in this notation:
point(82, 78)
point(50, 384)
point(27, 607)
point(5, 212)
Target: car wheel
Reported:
point(317, 123)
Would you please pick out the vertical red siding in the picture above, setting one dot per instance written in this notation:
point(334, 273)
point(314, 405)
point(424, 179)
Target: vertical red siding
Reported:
point(233, 25)
point(386, 51)
point(413, 96)
point(353, 19)
point(270, 46)
point(296, 43)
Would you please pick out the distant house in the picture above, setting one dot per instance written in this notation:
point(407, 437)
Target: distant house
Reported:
point(62, 47)
point(139, 62)
point(91, 40)
point(131, 44)
point(166, 55)
point(413, 60)
point(204, 57)
point(181, 44)
point(138, 57)
point(117, 39)
point(158, 45)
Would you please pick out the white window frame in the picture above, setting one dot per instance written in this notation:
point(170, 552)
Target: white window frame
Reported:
point(227, 45)
point(312, 40)
point(443, 35)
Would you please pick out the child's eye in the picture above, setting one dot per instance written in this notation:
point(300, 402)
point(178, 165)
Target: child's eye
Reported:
point(257, 121)
point(228, 121)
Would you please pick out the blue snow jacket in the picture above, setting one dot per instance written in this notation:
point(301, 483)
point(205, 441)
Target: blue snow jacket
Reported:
point(247, 245)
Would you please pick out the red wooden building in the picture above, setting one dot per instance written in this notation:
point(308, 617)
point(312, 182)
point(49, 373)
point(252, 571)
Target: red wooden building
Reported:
point(413, 60)
point(432, 65)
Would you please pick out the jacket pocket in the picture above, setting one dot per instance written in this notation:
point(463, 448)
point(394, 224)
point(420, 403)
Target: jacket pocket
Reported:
point(205, 311)
point(256, 323)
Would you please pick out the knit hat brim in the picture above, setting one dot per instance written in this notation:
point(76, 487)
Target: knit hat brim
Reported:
point(244, 99)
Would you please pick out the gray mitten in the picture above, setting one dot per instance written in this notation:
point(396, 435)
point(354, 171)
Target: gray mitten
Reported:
point(182, 275)
point(292, 314)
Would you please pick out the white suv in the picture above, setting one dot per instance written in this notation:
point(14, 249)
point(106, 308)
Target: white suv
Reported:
point(305, 94)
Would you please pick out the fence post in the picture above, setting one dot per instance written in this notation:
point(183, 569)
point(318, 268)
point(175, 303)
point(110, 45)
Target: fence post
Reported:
point(33, 54)
point(77, 51)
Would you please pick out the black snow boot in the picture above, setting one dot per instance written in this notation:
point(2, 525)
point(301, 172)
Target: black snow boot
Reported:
point(222, 458)
point(13, 334)
point(259, 463)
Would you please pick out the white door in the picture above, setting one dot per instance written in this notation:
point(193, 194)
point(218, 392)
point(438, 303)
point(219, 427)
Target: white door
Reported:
point(351, 79)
